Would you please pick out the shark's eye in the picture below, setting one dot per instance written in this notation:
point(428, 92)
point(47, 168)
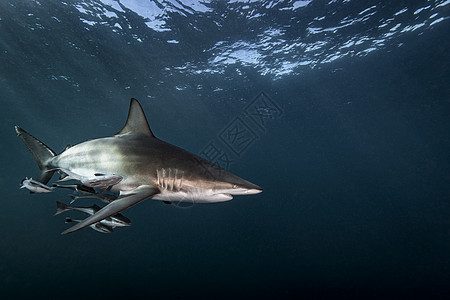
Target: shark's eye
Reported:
point(235, 186)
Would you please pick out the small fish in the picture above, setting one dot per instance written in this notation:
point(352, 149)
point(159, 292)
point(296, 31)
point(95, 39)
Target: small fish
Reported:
point(117, 220)
point(62, 207)
point(35, 186)
point(99, 180)
point(97, 226)
point(106, 198)
point(79, 188)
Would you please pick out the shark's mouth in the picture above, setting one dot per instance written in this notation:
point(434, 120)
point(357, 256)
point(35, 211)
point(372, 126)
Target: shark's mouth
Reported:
point(225, 197)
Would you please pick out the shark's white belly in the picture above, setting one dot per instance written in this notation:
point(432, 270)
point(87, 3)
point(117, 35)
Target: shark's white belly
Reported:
point(193, 197)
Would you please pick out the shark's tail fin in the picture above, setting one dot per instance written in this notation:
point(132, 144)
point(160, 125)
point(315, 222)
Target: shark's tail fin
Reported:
point(41, 153)
point(61, 207)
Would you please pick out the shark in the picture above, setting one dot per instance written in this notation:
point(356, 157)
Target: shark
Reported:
point(149, 168)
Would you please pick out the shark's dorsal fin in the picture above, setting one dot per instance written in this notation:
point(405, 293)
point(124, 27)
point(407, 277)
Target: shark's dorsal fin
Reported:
point(136, 122)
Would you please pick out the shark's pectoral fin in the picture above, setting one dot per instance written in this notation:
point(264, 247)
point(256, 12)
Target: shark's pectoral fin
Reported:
point(125, 200)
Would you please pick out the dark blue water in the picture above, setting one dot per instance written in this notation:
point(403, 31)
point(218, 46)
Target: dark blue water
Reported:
point(352, 148)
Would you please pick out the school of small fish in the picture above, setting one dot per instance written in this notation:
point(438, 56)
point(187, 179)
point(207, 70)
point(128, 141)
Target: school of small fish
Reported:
point(84, 188)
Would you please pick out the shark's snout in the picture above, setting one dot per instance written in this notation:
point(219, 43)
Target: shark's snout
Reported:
point(244, 191)
point(246, 188)
point(254, 191)
point(251, 188)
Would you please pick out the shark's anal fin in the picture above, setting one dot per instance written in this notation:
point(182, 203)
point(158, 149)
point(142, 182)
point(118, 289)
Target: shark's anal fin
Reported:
point(124, 201)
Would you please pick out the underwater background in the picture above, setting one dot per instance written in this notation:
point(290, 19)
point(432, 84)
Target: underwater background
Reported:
point(345, 109)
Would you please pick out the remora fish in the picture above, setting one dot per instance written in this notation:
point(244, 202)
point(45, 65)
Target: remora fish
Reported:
point(89, 193)
point(106, 198)
point(97, 226)
point(150, 168)
point(35, 186)
point(98, 180)
point(113, 221)
point(79, 188)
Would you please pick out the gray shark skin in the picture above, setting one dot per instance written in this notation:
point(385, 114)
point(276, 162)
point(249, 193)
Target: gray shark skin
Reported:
point(150, 168)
